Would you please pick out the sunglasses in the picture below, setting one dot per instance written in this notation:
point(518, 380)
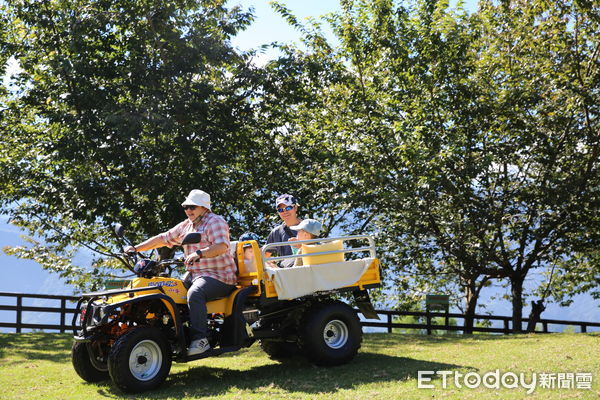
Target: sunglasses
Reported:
point(189, 207)
point(288, 208)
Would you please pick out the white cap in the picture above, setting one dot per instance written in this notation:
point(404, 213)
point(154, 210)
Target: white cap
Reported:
point(197, 198)
point(309, 225)
point(286, 199)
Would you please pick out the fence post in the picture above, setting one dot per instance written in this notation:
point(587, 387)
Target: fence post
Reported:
point(19, 307)
point(63, 311)
point(583, 328)
point(506, 328)
point(389, 321)
point(545, 325)
point(428, 323)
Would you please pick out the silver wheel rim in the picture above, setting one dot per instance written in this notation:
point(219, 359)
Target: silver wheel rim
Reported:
point(335, 334)
point(145, 360)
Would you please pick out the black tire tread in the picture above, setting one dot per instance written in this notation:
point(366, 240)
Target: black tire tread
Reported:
point(118, 360)
point(279, 351)
point(80, 357)
point(311, 334)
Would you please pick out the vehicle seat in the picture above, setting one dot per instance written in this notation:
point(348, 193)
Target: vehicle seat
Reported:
point(308, 249)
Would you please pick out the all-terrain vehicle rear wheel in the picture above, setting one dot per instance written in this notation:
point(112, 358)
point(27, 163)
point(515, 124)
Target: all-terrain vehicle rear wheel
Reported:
point(330, 334)
point(279, 351)
point(87, 368)
point(140, 360)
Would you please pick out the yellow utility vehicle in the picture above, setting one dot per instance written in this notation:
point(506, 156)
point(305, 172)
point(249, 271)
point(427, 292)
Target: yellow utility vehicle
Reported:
point(131, 335)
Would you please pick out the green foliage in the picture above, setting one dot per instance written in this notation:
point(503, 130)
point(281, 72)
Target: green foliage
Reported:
point(465, 145)
point(56, 260)
point(120, 109)
point(573, 275)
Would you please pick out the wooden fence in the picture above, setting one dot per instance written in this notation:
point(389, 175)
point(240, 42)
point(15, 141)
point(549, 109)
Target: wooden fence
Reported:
point(64, 311)
point(428, 323)
point(66, 314)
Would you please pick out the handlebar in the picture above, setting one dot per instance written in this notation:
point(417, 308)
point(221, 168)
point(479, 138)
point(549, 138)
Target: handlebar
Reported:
point(175, 261)
point(131, 258)
point(135, 255)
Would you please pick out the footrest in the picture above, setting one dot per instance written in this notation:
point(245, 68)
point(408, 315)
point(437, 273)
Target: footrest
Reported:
point(212, 353)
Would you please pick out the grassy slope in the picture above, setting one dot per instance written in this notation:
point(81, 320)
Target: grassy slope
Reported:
point(38, 366)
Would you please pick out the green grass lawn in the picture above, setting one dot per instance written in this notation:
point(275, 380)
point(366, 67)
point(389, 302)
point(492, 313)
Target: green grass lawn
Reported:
point(38, 366)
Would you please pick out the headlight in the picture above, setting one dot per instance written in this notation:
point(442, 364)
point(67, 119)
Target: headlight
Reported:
point(97, 314)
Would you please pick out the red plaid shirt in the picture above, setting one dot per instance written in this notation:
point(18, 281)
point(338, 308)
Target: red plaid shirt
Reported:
point(213, 230)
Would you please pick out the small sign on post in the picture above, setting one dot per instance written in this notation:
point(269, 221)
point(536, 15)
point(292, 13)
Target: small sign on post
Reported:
point(437, 302)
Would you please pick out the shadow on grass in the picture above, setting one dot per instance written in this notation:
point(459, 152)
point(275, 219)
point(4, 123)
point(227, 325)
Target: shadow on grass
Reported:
point(382, 340)
point(24, 347)
point(296, 376)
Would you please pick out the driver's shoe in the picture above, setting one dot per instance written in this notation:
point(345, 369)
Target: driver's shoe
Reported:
point(198, 346)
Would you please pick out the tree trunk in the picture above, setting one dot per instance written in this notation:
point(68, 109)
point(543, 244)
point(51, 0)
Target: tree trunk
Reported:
point(517, 303)
point(537, 308)
point(471, 296)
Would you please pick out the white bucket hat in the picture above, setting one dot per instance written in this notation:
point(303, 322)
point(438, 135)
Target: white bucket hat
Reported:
point(197, 198)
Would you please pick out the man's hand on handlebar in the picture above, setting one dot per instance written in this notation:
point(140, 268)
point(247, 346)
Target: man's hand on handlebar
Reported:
point(191, 258)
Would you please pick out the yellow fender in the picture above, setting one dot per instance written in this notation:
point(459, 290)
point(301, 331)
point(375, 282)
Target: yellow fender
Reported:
point(223, 305)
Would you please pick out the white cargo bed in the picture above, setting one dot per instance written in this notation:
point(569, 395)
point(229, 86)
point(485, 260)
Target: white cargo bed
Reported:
point(299, 281)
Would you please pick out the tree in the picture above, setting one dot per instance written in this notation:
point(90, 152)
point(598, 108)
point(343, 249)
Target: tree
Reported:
point(121, 109)
point(470, 146)
point(544, 100)
point(384, 119)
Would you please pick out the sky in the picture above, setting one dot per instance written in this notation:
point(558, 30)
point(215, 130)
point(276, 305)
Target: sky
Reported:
point(26, 276)
point(268, 26)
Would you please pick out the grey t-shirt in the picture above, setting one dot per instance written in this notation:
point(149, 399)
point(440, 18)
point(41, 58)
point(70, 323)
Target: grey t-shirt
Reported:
point(281, 233)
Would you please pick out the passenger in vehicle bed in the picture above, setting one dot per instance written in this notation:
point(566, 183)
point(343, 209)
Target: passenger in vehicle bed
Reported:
point(306, 230)
point(287, 208)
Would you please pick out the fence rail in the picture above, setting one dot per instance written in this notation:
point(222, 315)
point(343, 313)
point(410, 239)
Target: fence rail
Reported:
point(389, 323)
point(19, 308)
point(429, 326)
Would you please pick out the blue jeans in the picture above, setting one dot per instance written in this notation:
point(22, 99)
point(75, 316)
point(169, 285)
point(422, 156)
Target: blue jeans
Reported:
point(204, 289)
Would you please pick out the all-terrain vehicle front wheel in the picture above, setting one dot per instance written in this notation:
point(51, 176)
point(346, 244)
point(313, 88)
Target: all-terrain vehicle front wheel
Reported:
point(140, 360)
point(331, 334)
point(87, 368)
